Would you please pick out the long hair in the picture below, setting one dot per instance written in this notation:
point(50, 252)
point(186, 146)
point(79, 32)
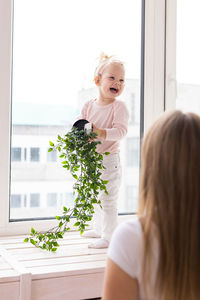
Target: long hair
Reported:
point(169, 197)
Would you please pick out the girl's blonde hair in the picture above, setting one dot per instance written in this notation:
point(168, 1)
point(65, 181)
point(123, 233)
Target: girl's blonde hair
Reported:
point(104, 61)
point(170, 198)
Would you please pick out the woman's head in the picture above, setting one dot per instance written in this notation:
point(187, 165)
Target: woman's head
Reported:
point(170, 198)
point(171, 162)
point(109, 76)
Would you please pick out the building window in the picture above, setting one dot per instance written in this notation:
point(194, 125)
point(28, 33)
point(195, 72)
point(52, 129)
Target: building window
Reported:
point(35, 154)
point(132, 109)
point(67, 199)
point(131, 198)
point(25, 200)
point(16, 154)
point(51, 199)
point(51, 156)
point(34, 200)
point(15, 201)
point(133, 152)
point(25, 154)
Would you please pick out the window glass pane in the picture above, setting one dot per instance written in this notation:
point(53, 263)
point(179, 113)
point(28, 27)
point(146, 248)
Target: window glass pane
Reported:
point(35, 154)
point(15, 201)
point(51, 156)
point(67, 199)
point(188, 60)
point(133, 152)
point(34, 200)
point(51, 199)
point(16, 154)
point(54, 59)
point(132, 198)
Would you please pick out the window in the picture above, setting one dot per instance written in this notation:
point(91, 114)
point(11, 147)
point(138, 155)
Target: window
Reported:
point(51, 156)
point(52, 79)
point(47, 94)
point(133, 152)
point(16, 154)
point(15, 201)
point(35, 154)
point(51, 199)
point(67, 199)
point(188, 61)
point(132, 194)
point(25, 154)
point(34, 200)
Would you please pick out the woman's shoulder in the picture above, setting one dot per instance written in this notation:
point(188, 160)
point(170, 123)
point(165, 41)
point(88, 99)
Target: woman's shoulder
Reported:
point(129, 230)
point(126, 247)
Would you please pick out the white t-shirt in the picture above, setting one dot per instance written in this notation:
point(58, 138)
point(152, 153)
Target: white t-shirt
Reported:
point(126, 250)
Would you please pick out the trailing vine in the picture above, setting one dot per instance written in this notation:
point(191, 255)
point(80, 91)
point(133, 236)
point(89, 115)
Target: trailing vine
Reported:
point(78, 154)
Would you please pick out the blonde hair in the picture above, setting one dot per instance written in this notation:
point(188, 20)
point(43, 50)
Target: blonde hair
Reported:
point(104, 61)
point(170, 198)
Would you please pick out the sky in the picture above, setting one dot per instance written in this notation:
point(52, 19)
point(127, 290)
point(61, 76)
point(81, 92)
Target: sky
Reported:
point(56, 45)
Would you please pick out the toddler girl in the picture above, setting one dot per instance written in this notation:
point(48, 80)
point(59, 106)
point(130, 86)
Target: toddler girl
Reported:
point(109, 118)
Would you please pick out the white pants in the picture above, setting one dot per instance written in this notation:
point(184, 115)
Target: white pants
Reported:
point(105, 218)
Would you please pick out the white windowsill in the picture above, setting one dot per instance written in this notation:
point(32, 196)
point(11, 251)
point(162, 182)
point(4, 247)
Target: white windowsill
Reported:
point(73, 272)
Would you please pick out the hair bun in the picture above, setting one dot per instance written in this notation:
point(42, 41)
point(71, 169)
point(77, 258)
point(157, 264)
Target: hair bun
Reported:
point(103, 57)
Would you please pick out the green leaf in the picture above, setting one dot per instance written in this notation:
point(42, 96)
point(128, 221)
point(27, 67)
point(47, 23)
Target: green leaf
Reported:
point(50, 149)
point(26, 240)
point(105, 181)
point(54, 249)
point(33, 230)
point(58, 218)
point(51, 143)
point(33, 242)
point(60, 224)
point(77, 224)
point(107, 153)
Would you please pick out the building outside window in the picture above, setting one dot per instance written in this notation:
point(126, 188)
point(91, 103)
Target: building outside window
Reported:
point(133, 152)
point(15, 201)
point(16, 154)
point(51, 156)
point(35, 200)
point(52, 199)
point(35, 154)
point(132, 198)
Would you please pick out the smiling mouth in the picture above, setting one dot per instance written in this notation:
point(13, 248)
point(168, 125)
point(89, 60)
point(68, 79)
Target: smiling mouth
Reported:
point(113, 90)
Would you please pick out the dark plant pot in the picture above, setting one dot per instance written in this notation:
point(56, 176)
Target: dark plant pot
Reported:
point(83, 124)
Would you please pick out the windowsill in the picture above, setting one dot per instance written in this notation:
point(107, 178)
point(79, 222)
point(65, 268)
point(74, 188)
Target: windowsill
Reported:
point(73, 272)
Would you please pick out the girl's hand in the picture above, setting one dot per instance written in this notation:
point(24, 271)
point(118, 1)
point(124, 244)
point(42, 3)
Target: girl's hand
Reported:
point(101, 132)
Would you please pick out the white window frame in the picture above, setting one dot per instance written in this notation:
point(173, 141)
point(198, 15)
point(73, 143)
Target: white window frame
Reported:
point(154, 95)
point(170, 71)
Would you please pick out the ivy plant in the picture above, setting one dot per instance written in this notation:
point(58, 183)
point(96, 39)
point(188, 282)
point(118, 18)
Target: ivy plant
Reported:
point(77, 151)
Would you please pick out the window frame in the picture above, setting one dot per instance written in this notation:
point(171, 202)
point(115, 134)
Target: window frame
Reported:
point(153, 96)
point(170, 65)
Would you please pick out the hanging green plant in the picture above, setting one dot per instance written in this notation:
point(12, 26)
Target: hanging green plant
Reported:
point(78, 154)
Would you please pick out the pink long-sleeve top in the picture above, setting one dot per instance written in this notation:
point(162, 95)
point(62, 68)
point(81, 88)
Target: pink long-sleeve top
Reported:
point(112, 117)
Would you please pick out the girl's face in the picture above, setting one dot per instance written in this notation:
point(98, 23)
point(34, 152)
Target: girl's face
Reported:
point(111, 82)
